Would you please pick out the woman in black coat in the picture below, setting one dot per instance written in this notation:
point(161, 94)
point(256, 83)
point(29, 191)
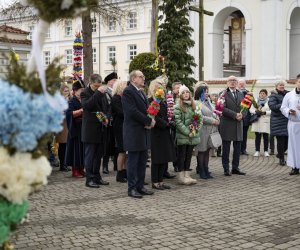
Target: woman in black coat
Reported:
point(162, 145)
point(118, 120)
point(74, 150)
point(278, 120)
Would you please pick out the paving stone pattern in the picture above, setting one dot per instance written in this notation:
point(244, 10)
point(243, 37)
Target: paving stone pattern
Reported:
point(256, 211)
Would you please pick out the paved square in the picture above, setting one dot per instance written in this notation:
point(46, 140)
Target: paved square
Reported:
point(256, 211)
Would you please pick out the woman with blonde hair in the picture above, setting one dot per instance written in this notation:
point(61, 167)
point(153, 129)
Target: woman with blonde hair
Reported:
point(184, 111)
point(118, 119)
point(162, 145)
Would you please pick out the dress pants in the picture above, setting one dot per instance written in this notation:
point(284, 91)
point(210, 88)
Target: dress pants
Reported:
point(226, 152)
point(92, 161)
point(136, 169)
point(282, 145)
point(244, 142)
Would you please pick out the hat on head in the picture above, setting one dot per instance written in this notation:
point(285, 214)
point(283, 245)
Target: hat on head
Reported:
point(183, 88)
point(111, 76)
point(78, 85)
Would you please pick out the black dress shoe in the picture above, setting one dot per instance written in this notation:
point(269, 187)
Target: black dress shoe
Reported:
point(64, 169)
point(135, 194)
point(227, 173)
point(102, 182)
point(146, 183)
point(244, 153)
point(167, 175)
point(92, 184)
point(144, 191)
point(175, 169)
point(164, 186)
point(294, 171)
point(238, 172)
point(271, 153)
point(282, 162)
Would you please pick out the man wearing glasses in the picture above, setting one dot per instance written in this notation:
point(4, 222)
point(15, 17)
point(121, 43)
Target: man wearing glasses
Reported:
point(136, 133)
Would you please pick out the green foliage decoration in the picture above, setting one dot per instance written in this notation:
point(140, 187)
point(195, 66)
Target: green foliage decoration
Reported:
point(145, 62)
point(174, 40)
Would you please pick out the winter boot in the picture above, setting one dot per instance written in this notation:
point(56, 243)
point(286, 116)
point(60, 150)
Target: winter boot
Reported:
point(190, 180)
point(181, 179)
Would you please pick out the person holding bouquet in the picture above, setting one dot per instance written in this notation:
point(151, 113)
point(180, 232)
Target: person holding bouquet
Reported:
point(74, 151)
point(210, 125)
point(231, 126)
point(187, 133)
point(162, 145)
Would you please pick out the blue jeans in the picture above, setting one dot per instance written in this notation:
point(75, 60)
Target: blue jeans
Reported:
point(136, 169)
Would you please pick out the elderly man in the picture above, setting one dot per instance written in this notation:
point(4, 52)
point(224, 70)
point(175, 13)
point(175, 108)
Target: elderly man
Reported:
point(231, 127)
point(92, 131)
point(136, 133)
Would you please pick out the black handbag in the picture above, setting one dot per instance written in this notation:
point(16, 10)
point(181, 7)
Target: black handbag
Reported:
point(253, 118)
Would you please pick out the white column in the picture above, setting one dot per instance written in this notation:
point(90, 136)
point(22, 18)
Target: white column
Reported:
point(271, 43)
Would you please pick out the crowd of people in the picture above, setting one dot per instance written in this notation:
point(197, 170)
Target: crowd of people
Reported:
point(112, 121)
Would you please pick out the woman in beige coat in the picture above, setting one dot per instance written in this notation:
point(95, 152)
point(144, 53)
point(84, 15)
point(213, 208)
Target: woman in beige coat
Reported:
point(261, 127)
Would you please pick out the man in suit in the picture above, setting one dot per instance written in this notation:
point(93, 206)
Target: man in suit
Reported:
point(109, 139)
point(231, 127)
point(92, 131)
point(136, 134)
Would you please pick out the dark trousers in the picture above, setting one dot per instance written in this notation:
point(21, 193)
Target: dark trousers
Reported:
point(184, 157)
point(92, 161)
point(244, 142)
point(282, 145)
point(203, 159)
point(272, 143)
point(157, 172)
point(258, 140)
point(136, 169)
point(62, 153)
point(226, 152)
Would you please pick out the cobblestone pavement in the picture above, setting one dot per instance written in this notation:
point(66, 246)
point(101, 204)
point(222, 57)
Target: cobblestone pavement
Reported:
point(256, 211)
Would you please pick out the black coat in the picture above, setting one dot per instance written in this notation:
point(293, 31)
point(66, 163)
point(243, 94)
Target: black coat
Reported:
point(118, 120)
point(230, 128)
point(92, 131)
point(135, 136)
point(74, 150)
point(162, 144)
point(278, 123)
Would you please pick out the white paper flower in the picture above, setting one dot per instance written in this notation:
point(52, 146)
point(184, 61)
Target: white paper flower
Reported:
point(21, 175)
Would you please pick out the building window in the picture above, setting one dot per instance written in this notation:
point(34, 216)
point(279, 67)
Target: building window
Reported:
point(132, 51)
point(68, 56)
point(112, 24)
point(47, 58)
point(111, 53)
point(48, 33)
point(30, 30)
point(94, 25)
point(94, 55)
point(132, 20)
point(68, 28)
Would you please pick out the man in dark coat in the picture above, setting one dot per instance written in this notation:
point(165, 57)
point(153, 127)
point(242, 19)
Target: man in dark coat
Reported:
point(108, 139)
point(136, 134)
point(92, 131)
point(231, 127)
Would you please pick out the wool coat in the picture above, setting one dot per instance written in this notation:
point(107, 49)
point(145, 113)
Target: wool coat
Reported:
point(118, 120)
point(208, 127)
point(135, 104)
point(183, 120)
point(278, 121)
point(230, 128)
point(162, 144)
point(92, 130)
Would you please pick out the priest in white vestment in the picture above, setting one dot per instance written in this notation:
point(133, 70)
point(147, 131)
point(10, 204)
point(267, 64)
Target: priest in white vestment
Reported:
point(290, 108)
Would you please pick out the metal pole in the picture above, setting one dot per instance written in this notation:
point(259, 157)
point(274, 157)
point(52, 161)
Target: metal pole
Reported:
point(201, 40)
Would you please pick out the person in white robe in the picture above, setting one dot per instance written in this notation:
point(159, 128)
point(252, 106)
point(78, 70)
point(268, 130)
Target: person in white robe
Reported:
point(290, 108)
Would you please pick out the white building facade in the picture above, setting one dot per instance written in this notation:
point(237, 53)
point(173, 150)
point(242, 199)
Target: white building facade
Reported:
point(255, 39)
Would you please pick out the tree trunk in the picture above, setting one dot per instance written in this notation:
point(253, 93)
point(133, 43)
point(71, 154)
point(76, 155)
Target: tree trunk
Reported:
point(154, 26)
point(87, 45)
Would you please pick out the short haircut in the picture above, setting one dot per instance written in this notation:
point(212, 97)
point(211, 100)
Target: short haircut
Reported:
point(264, 91)
point(175, 84)
point(133, 74)
point(95, 78)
